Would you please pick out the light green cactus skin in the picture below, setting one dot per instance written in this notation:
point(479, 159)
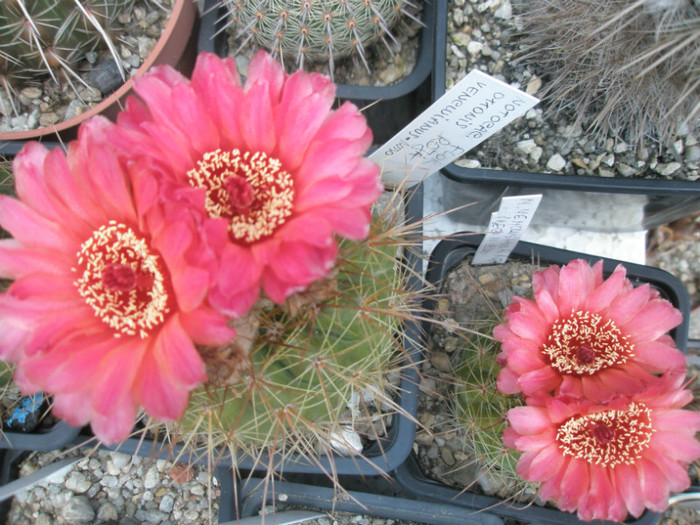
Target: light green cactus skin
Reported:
point(302, 378)
point(315, 30)
point(45, 36)
point(481, 409)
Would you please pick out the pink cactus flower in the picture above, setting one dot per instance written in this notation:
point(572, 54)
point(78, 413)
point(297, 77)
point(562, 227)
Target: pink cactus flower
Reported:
point(608, 460)
point(274, 171)
point(106, 305)
point(583, 335)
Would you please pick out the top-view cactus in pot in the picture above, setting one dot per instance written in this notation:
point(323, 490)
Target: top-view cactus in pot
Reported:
point(42, 38)
point(303, 31)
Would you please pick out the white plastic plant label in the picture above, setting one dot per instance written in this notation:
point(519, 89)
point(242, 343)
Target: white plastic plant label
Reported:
point(469, 113)
point(506, 227)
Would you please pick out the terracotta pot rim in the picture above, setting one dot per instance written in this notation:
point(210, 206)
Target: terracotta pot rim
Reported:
point(181, 18)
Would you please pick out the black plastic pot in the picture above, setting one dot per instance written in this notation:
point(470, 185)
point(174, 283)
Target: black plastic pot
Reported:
point(448, 255)
point(392, 107)
point(586, 202)
point(53, 438)
point(376, 497)
point(383, 456)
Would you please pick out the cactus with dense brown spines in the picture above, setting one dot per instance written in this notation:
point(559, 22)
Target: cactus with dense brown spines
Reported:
point(49, 37)
point(317, 30)
point(627, 68)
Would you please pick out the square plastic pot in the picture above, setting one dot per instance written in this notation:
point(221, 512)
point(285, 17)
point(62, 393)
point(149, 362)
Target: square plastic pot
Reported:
point(446, 256)
point(392, 106)
point(374, 496)
point(615, 204)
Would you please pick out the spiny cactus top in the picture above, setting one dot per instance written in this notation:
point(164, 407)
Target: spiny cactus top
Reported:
point(48, 36)
point(316, 30)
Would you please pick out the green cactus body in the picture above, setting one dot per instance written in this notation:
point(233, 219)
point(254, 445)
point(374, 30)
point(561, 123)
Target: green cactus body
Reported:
point(48, 36)
point(481, 409)
point(305, 369)
point(316, 30)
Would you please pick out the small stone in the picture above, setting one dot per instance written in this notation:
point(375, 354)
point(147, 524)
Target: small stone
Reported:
point(441, 361)
point(458, 17)
point(346, 442)
point(608, 159)
point(119, 461)
point(625, 170)
point(46, 119)
point(181, 472)
point(461, 39)
point(109, 481)
point(161, 492)
point(166, 504)
point(526, 146)
point(106, 76)
point(78, 483)
point(390, 75)
point(447, 457)
point(678, 147)
point(107, 512)
point(424, 438)
point(198, 490)
point(534, 85)
point(604, 172)
point(620, 147)
point(43, 519)
point(667, 169)
point(151, 478)
point(474, 47)
point(556, 162)
point(78, 510)
point(692, 153)
point(505, 12)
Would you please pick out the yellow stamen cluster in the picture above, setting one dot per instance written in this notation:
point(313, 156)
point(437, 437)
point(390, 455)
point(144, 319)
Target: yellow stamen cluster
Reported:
point(608, 438)
point(272, 188)
point(132, 310)
point(585, 343)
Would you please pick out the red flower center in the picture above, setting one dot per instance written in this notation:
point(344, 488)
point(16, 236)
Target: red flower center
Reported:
point(251, 190)
point(585, 343)
point(608, 438)
point(122, 280)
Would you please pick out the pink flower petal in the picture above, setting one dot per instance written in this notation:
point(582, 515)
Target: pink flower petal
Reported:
point(550, 459)
point(177, 358)
point(655, 319)
point(528, 420)
point(627, 483)
point(117, 425)
point(206, 327)
point(543, 380)
point(576, 281)
point(660, 356)
point(604, 294)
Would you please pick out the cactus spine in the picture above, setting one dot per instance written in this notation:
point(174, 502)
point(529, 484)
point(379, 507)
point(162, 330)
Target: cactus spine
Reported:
point(317, 30)
point(51, 36)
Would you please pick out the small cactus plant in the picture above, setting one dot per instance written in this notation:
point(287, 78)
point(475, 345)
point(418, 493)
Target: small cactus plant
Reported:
point(319, 367)
point(317, 30)
point(626, 68)
point(50, 37)
point(481, 408)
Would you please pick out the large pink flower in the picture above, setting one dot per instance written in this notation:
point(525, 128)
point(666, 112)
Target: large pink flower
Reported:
point(275, 172)
point(608, 460)
point(106, 305)
point(583, 335)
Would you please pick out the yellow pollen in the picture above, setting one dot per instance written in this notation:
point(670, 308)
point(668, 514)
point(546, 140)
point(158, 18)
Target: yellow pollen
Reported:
point(608, 438)
point(584, 343)
point(251, 190)
point(132, 308)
